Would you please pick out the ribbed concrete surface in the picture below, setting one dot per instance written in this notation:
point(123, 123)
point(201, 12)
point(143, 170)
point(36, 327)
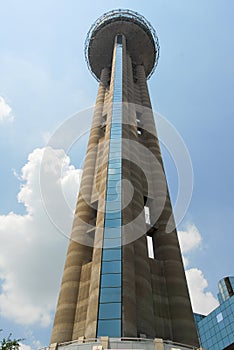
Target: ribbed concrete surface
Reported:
point(155, 300)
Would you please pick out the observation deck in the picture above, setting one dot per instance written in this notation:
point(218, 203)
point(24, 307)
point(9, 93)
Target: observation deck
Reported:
point(141, 38)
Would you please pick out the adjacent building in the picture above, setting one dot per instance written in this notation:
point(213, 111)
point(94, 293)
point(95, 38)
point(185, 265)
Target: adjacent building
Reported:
point(216, 330)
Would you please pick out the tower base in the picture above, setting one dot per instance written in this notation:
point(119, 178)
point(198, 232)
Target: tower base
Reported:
point(104, 343)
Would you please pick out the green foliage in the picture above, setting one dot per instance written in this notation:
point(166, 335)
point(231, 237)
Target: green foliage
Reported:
point(9, 344)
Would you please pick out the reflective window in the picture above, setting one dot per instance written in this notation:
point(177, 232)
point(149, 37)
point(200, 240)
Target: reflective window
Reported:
point(114, 136)
point(111, 254)
point(115, 161)
point(112, 183)
point(112, 243)
point(115, 165)
point(111, 190)
point(113, 206)
point(219, 317)
point(109, 311)
point(111, 266)
point(109, 295)
point(112, 232)
point(113, 223)
point(116, 143)
point(110, 327)
point(115, 215)
point(114, 171)
point(114, 177)
point(111, 280)
point(109, 317)
point(115, 154)
point(112, 197)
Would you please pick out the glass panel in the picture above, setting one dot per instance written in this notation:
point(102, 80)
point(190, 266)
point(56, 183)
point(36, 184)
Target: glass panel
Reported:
point(115, 154)
point(113, 206)
point(112, 243)
point(111, 267)
point(115, 165)
point(112, 197)
point(117, 125)
point(110, 295)
point(113, 136)
point(112, 328)
point(116, 129)
point(114, 171)
point(113, 223)
point(111, 190)
point(116, 143)
point(115, 177)
point(111, 280)
point(111, 254)
point(115, 215)
point(112, 183)
point(115, 161)
point(109, 311)
point(112, 232)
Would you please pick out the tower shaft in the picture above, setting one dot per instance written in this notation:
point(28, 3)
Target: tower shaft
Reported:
point(110, 286)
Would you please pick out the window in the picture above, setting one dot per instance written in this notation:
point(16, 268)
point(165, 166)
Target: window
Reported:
point(109, 311)
point(147, 214)
point(113, 223)
point(110, 327)
point(111, 280)
point(110, 295)
point(112, 243)
point(109, 318)
point(219, 317)
point(139, 123)
point(111, 254)
point(113, 206)
point(112, 232)
point(138, 115)
point(111, 267)
point(103, 122)
point(150, 247)
point(111, 216)
point(139, 131)
point(119, 39)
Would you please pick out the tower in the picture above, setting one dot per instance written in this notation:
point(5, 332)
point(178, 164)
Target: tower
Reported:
point(110, 286)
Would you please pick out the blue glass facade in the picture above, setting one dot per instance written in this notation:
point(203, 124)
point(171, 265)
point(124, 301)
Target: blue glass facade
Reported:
point(109, 315)
point(216, 330)
point(226, 288)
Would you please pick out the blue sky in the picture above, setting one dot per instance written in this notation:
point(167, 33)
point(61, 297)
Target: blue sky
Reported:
point(44, 80)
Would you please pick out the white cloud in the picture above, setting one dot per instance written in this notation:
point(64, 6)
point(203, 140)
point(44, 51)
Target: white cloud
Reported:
point(189, 239)
point(5, 111)
point(202, 301)
point(32, 251)
point(34, 346)
point(25, 347)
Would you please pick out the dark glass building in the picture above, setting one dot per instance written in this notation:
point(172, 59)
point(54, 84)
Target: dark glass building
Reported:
point(110, 286)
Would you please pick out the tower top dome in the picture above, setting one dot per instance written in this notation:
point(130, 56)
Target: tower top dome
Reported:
point(141, 38)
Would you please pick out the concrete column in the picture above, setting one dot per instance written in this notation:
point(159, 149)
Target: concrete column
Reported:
point(78, 253)
point(158, 344)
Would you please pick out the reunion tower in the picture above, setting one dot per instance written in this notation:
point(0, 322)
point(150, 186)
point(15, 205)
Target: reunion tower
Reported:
point(113, 294)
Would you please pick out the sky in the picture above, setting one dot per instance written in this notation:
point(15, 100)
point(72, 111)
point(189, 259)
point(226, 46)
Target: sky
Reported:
point(44, 81)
